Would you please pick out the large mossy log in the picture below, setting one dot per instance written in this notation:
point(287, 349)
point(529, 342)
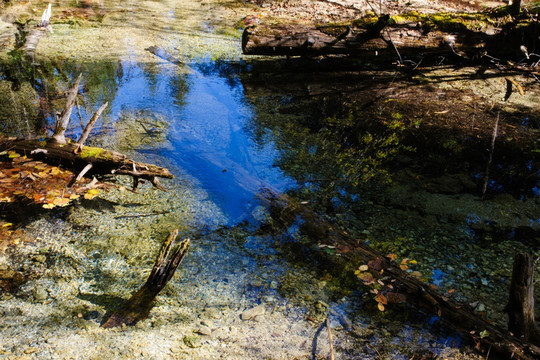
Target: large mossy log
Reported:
point(70, 156)
point(459, 315)
point(385, 36)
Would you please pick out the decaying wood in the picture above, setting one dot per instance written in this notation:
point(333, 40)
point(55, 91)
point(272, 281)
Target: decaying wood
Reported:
point(103, 161)
point(139, 305)
point(63, 120)
point(520, 306)
point(461, 316)
point(36, 33)
point(464, 35)
point(31, 42)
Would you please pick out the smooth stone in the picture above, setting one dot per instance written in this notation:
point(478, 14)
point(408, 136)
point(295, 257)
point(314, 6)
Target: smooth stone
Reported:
point(204, 330)
point(253, 312)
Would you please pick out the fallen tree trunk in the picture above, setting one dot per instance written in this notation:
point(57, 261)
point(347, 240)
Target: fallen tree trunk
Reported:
point(466, 35)
point(460, 316)
point(103, 161)
point(140, 303)
point(36, 33)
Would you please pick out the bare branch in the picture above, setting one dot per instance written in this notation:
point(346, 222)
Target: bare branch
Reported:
point(63, 122)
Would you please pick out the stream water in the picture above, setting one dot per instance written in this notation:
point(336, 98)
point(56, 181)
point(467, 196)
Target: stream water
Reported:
point(227, 130)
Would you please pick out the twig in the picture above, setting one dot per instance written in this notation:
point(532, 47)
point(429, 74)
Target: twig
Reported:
point(377, 351)
point(330, 339)
point(91, 185)
point(89, 127)
point(489, 350)
point(486, 178)
point(387, 32)
point(83, 172)
point(79, 112)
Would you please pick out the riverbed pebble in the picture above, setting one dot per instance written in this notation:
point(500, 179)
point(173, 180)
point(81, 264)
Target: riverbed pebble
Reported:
point(204, 330)
point(253, 312)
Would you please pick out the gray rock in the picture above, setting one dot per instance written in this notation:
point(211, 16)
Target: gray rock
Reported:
point(256, 283)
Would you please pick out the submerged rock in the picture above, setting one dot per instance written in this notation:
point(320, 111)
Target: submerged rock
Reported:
point(193, 341)
point(253, 312)
point(204, 330)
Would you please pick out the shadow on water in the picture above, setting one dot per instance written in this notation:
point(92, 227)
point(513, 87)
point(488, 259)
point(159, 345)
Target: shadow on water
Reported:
point(356, 151)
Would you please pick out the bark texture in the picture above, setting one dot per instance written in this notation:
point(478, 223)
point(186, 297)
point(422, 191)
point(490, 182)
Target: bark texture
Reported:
point(466, 35)
point(520, 306)
point(103, 161)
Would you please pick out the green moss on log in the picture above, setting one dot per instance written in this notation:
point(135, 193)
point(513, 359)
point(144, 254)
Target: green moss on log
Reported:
point(89, 151)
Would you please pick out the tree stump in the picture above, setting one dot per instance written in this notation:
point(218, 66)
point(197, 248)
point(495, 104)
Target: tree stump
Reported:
point(520, 306)
point(140, 303)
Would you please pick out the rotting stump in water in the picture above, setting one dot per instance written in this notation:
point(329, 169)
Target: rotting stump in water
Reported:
point(520, 307)
point(140, 303)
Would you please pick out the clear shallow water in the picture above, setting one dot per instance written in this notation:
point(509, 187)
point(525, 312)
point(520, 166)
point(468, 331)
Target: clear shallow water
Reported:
point(224, 140)
point(199, 126)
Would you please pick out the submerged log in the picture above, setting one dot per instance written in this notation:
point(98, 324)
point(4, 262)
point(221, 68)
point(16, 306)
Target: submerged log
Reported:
point(140, 303)
point(36, 33)
point(389, 36)
point(520, 306)
point(459, 315)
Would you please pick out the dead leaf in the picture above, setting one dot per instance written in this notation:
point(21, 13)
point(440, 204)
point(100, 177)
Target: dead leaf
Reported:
point(376, 264)
point(381, 299)
point(367, 278)
point(61, 202)
point(363, 268)
point(392, 257)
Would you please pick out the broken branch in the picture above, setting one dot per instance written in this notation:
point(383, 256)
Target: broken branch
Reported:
point(138, 307)
point(62, 123)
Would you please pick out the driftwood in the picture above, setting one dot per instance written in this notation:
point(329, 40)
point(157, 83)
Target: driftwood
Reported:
point(460, 316)
point(520, 306)
point(388, 37)
point(140, 303)
point(63, 120)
